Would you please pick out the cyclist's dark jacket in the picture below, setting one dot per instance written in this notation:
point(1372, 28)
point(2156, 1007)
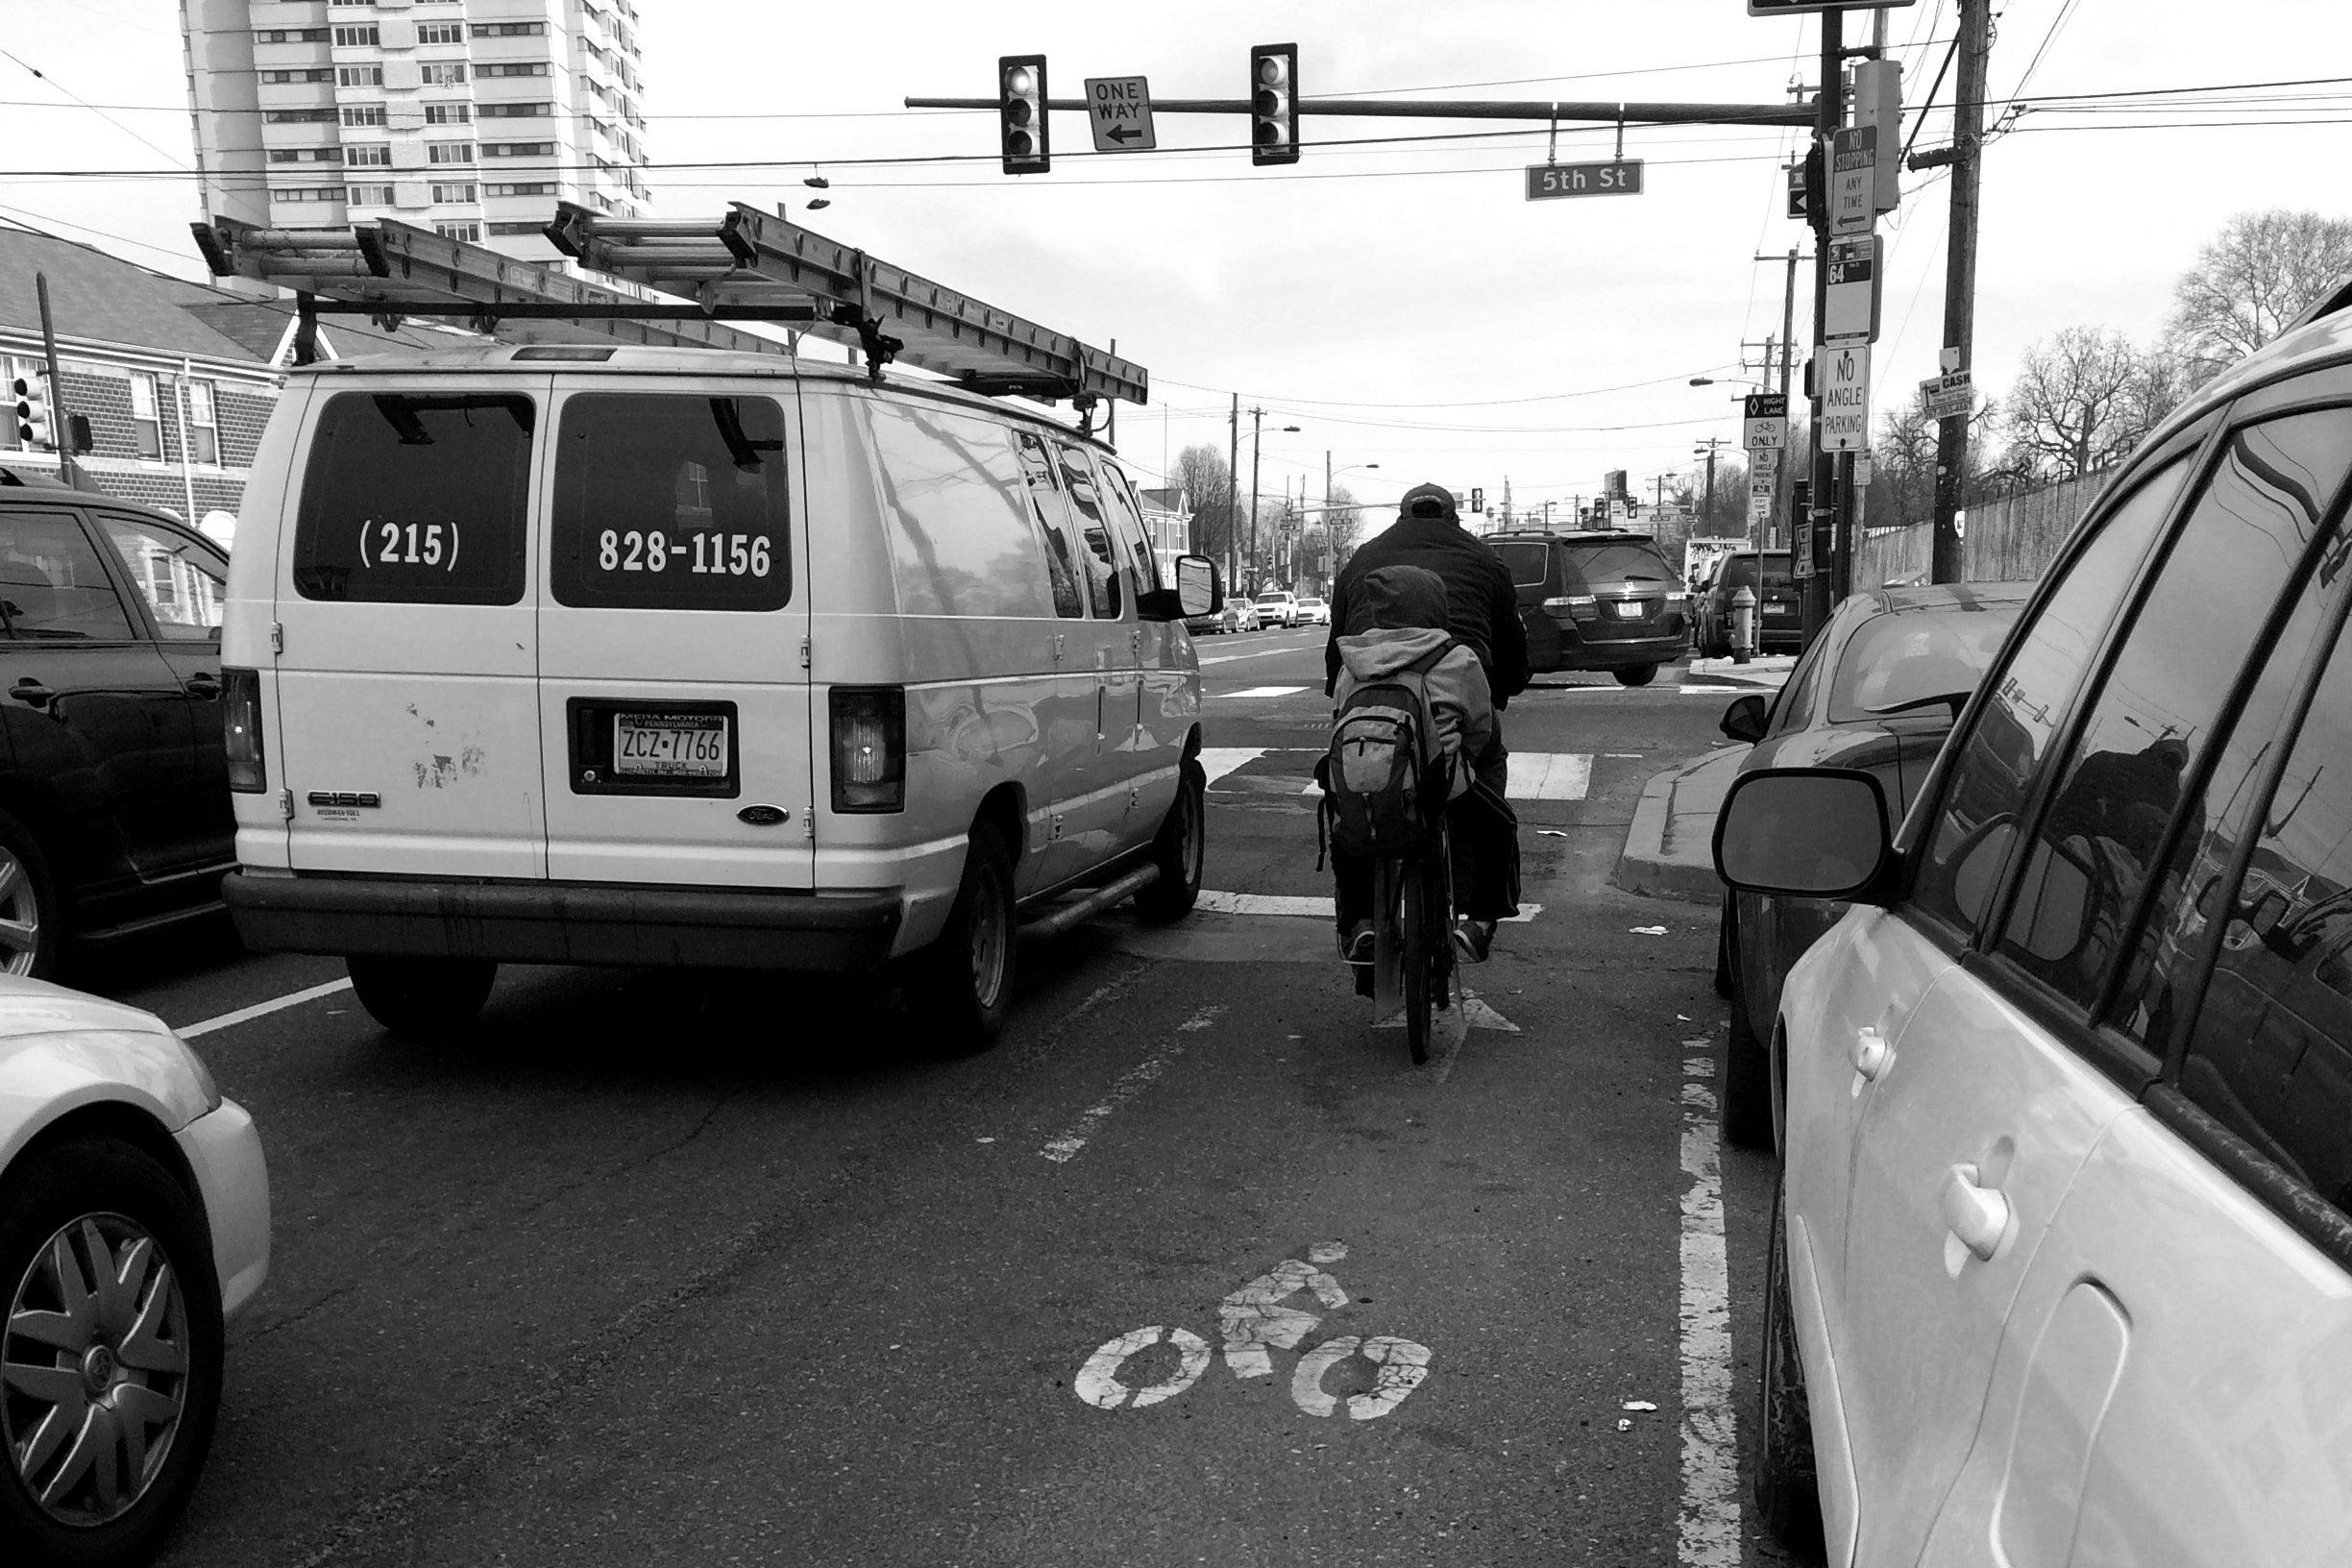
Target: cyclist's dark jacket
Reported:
point(1481, 605)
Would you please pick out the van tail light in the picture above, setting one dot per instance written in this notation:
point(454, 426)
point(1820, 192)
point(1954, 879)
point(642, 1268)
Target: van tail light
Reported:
point(241, 715)
point(869, 747)
point(1584, 606)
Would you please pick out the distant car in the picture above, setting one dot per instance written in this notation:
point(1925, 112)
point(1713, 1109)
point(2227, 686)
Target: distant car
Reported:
point(133, 1222)
point(1313, 611)
point(1780, 608)
point(114, 802)
point(1878, 690)
point(1240, 615)
point(2060, 1270)
point(1606, 600)
point(1278, 607)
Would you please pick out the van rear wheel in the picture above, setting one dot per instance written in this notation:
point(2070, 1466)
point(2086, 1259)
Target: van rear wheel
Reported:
point(963, 983)
point(1640, 674)
point(1180, 852)
point(420, 997)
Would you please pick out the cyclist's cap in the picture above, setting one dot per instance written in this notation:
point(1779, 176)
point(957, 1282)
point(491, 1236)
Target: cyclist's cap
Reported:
point(1428, 500)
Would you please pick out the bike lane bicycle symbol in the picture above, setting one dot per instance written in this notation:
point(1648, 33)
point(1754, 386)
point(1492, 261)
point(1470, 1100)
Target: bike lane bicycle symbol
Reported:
point(1253, 1321)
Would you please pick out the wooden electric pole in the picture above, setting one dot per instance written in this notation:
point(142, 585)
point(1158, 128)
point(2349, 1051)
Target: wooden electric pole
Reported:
point(1813, 558)
point(1975, 47)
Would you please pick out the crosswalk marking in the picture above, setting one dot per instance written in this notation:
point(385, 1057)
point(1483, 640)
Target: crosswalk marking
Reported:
point(1534, 776)
point(1284, 903)
point(1258, 691)
point(1216, 761)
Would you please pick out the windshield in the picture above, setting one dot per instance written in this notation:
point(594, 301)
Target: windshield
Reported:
point(1272, 599)
point(1899, 658)
point(1740, 572)
point(1628, 563)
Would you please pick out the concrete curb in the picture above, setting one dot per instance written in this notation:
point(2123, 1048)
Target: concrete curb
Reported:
point(1659, 863)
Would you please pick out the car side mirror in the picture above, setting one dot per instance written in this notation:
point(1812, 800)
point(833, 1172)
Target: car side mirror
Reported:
point(1806, 833)
point(1197, 592)
point(1743, 720)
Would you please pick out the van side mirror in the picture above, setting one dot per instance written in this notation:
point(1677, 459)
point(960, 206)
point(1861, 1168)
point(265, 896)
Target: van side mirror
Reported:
point(1806, 833)
point(1743, 720)
point(1197, 592)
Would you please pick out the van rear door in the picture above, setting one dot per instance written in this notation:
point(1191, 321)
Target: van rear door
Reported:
point(674, 694)
point(408, 682)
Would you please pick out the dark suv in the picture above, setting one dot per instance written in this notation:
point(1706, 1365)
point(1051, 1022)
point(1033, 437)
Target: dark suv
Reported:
point(115, 811)
point(1597, 600)
point(1780, 610)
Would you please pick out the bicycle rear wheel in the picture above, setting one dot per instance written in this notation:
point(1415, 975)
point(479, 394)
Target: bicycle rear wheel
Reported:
point(1414, 929)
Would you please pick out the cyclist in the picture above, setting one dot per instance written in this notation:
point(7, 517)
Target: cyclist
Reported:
point(1406, 608)
point(1483, 614)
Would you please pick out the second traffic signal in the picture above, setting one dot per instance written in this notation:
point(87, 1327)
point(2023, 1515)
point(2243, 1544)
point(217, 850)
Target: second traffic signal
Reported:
point(1274, 134)
point(1020, 97)
point(32, 414)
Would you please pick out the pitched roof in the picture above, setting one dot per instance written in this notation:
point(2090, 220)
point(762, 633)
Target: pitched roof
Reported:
point(1170, 499)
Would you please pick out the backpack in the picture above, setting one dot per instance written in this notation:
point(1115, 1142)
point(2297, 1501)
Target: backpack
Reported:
point(1383, 783)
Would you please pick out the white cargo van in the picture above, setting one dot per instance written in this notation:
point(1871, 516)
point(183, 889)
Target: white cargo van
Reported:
point(586, 655)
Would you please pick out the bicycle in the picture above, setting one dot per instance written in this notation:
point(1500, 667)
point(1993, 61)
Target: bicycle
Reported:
point(1412, 935)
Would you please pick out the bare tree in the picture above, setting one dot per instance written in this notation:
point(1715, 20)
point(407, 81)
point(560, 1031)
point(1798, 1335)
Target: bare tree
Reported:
point(1202, 472)
point(2250, 280)
point(1342, 527)
point(1904, 489)
point(2080, 402)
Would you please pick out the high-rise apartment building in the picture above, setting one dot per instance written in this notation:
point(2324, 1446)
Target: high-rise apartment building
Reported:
point(473, 118)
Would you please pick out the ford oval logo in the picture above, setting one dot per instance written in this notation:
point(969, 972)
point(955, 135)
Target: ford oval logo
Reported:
point(763, 816)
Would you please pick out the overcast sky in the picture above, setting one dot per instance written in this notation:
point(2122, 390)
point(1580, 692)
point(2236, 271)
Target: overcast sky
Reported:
point(1402, 304)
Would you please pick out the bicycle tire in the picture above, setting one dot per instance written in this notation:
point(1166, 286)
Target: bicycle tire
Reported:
point(1414, 924)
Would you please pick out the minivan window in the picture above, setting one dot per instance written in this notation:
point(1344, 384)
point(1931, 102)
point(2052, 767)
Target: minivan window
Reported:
point(1100, 558)
point(416, 497)
point(1740, 572)
point(1994, 767)
point(1601, 564)
point(960, 532)
point(1527, 563)
point(182, 582)
point(2271, 1056)
point(52, 587)
point(670, 500)
point(1036, 467)
point(2163, 694)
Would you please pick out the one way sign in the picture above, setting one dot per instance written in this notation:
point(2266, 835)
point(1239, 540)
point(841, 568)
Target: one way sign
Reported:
point(1118, 109)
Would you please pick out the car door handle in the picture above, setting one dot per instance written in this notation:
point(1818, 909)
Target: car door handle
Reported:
point(1977, 1215)
point(1869, 1053)
point(31, 693)
point(203, 684)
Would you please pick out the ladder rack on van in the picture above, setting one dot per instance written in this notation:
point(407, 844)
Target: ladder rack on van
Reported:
point(886, 311)
point(390, 270)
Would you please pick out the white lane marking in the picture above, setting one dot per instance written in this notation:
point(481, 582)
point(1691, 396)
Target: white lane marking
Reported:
point(1401, 1364)
point(1709, 1522)
point(1550, 775)
point(1475, 1014)
point(1263, 903)
point(1216, 761)
point(1257, 691)
point(1097, 1382)
point(1254, 1316)
point(1236, 658)
point(1133, 1082)
point(259, 1010)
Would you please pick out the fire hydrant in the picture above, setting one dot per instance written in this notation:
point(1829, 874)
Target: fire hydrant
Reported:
point(1742, 625)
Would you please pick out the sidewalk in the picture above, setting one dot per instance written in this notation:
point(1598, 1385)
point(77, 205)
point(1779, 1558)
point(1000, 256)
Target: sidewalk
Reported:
point(1669, 849)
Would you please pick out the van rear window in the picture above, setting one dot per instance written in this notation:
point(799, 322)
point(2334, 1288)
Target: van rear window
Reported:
point(1527, 562)
point(416, 499)
point(671, 501)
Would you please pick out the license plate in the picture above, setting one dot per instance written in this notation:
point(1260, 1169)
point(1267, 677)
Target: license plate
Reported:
point(670, 746)
point(1629, 609)
point(1779, 609)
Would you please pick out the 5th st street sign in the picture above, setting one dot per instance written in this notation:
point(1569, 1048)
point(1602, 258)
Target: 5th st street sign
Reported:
point(1623, 178)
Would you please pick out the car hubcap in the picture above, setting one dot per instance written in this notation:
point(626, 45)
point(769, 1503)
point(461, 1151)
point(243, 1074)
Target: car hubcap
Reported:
point(93, 1369)
point(19, 917)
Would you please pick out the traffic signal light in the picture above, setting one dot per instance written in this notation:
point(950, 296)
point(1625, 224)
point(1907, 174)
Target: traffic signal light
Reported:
point(1274, 137)
point(1021, 96)
point(32, 426)
point(1477, 498)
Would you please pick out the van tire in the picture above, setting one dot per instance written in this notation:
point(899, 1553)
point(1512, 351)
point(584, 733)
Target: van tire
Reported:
point(422, 996)
point(1640, 674)
point(1180, 852)
point(962, 985)
point(1787, 1493)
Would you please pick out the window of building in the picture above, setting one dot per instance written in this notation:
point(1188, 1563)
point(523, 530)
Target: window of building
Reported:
point(449, 152)
point(370, 195)
point(530, 67)
point(359, 76)
point(518, 229)
point(307, 193)
point(320, 73)
point(448, 113)
point(441, 32)
point(510, 30)
point(369, 156)
point(454, 193)
point(468, 231)
point(518, 149)
point(290, 35)
point(13, 371)
point(306, 155)
point(353, 38)
point(522, 187)
point(146, 425)
point(353, 114)
point(517, 112)
point(306, 116)
point(444, 73)
point(355, 2)
point(204, 422)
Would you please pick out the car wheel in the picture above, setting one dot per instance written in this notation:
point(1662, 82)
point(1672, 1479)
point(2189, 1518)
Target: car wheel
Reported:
point(1179, 851)
point(32, 916)
point(1640, 674)
point(421, 996)
point(962, 982)
point(112, 1350)
point(1787, 1497)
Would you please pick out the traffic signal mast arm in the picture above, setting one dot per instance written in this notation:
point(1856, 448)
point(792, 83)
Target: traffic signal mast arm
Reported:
point(1466, 108)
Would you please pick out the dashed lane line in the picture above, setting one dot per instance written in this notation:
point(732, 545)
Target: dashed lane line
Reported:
point(1133, 1082)
point(261, 1010)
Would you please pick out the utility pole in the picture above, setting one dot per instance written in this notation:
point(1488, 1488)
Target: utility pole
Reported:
point(61, 423)
point(1233, 486)
point(1960, 282)
point(1830, 114)
point(1706, 497)
point(1257, 418)
point(1777, 529)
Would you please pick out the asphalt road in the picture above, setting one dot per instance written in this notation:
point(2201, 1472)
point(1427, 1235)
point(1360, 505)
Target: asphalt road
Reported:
point(660, 1267)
